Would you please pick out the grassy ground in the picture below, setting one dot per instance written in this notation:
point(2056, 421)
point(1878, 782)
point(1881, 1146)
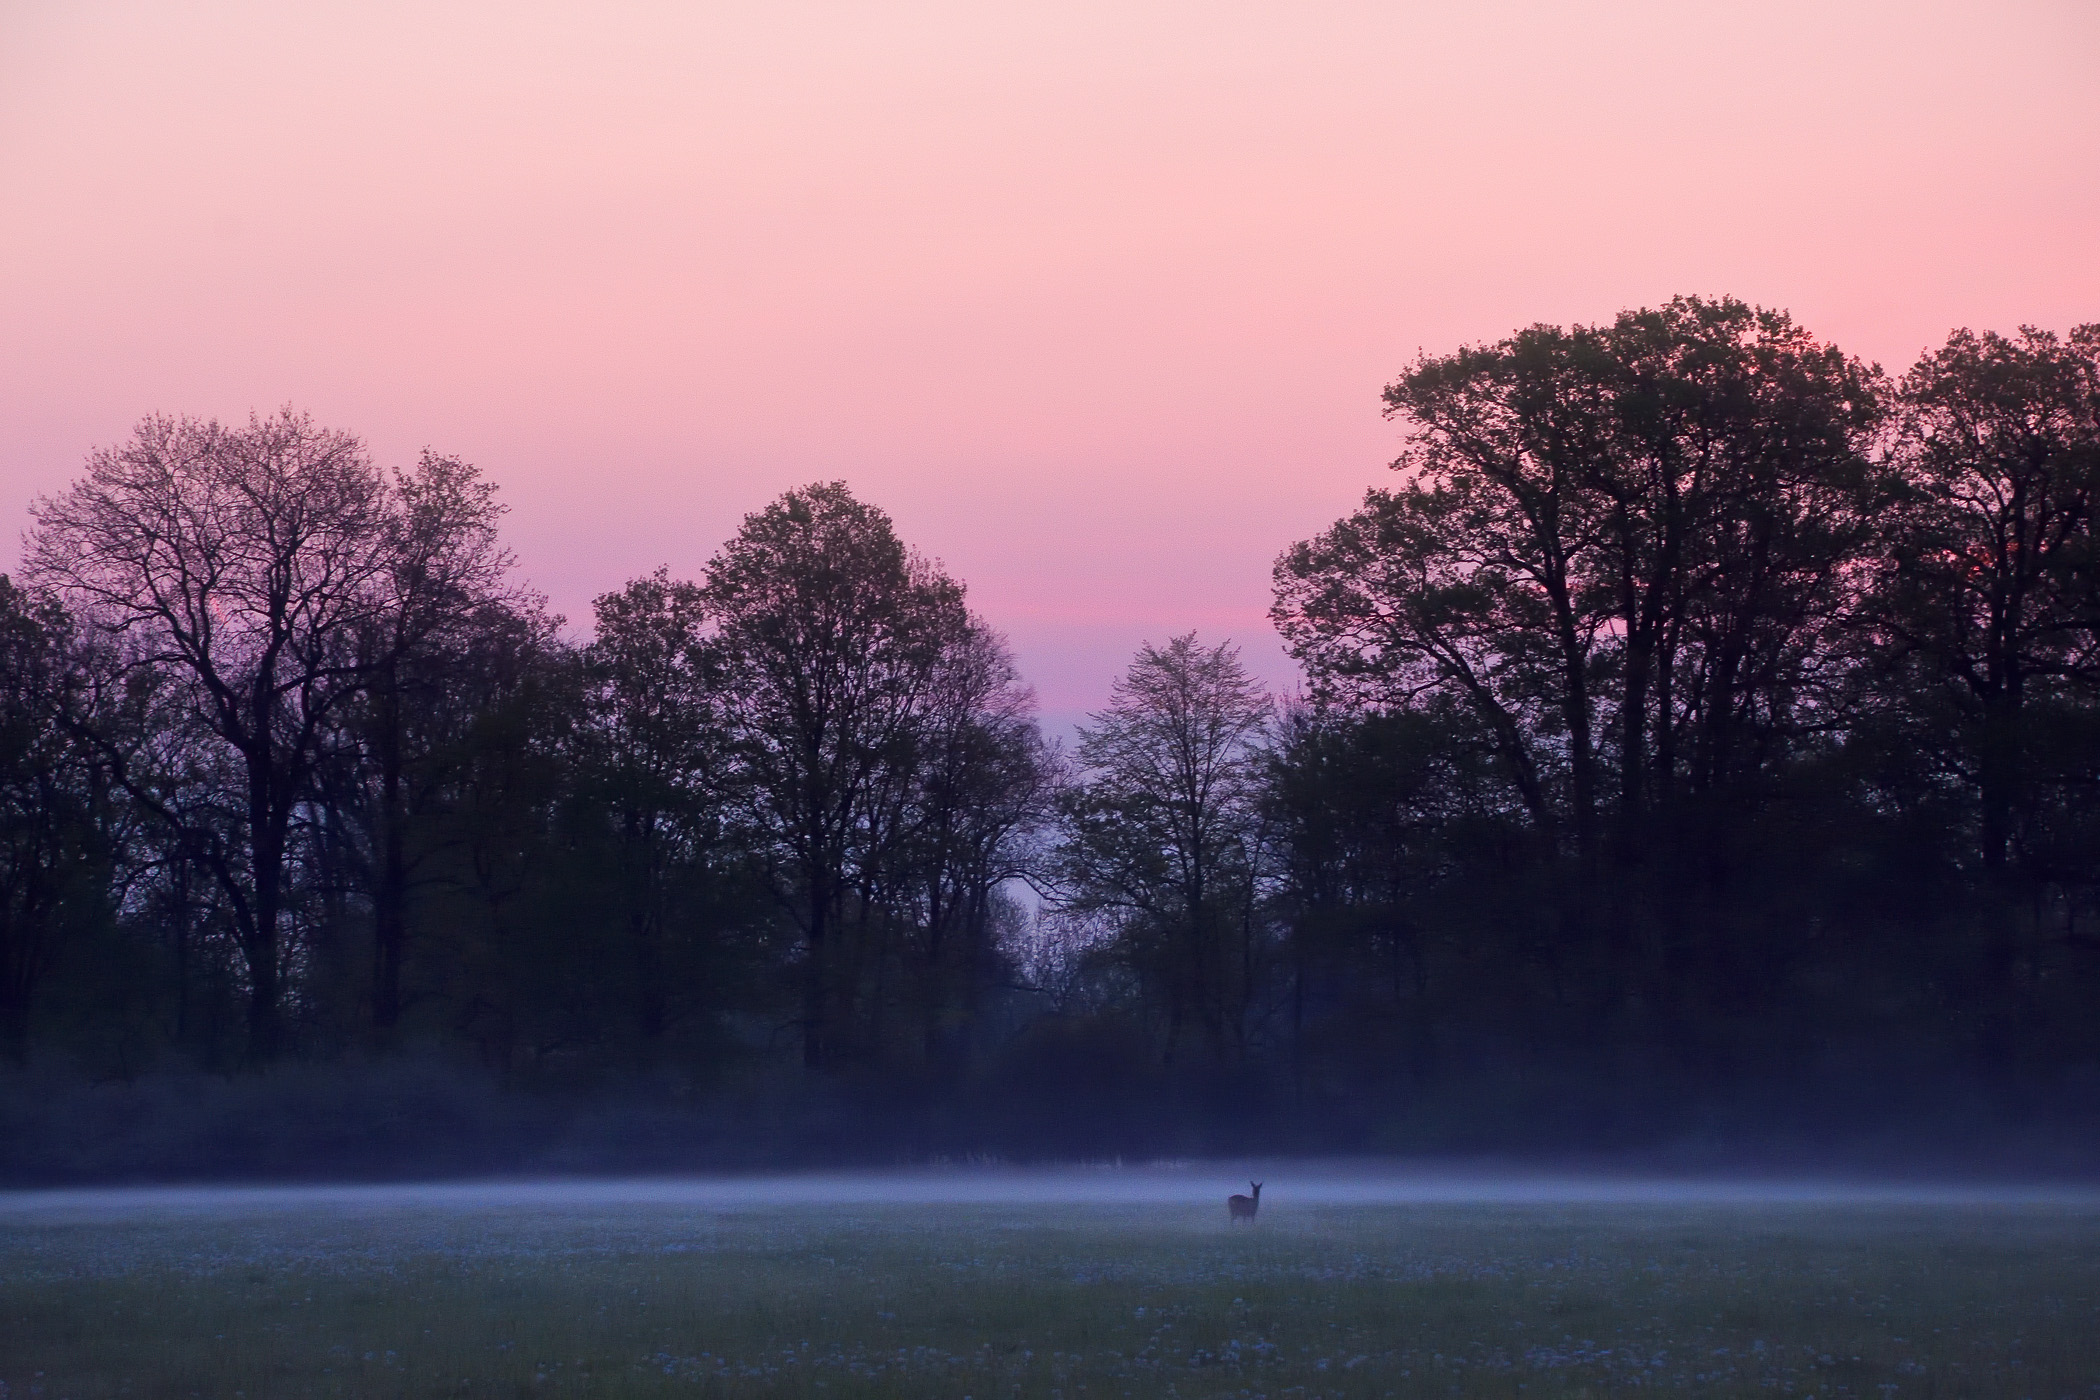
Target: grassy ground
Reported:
point(1054, 1301)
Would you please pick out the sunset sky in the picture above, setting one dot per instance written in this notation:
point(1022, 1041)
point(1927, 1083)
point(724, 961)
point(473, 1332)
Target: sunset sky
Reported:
point(1095, 299)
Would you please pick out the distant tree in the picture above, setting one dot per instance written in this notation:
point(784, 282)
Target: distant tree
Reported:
point(241, 567)
point(982, 792)
point(54, 861)
point(832, 636)
point(1983, 604)
point(514, 940)
point(1387, 828)
point(1622, 546)
point(1988, 592)
point(654, 751)
point(1161, 833)
point(446, 574)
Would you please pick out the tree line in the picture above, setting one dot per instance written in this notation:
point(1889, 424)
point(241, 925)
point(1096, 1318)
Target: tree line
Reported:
point(1704, 715)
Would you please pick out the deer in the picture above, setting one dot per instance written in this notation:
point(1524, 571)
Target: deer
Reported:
point(1243, 1207)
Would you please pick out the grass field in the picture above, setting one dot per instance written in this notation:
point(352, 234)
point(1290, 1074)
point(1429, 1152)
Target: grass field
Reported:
point(607, 1297)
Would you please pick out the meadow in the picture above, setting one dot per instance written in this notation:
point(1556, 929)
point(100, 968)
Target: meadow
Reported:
point(603, 1295)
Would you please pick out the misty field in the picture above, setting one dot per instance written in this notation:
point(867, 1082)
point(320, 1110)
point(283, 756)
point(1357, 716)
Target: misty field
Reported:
point(593, 1296)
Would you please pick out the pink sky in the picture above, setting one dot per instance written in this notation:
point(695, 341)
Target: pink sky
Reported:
point(1095, 299)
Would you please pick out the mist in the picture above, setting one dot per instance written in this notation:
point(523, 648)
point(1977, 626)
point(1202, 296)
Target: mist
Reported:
point(1288, 1185)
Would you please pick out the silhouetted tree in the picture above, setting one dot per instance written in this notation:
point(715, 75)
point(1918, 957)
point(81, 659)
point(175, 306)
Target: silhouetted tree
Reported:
point(832, 637)
point(982, 791)
point(246, 563)
point(447, 568)
point(515, 939)
point(1161, 834)
point(1984, 609)
point(54, 856)
point(1393, 835)
point(654, 750)
point(1625, 550)
point(1623, 543)
point(1988, 587)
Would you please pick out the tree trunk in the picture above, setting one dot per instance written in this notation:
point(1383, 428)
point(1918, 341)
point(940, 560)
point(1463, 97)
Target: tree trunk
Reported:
point(1575, 711)
point(390, 892)
point(814, 1031)
point(182, 951)
point(266, 841)
point(14, 1005)
point(932, 994)
point(1997, 777)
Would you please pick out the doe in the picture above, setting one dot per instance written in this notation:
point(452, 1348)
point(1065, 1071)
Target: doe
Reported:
point(1243, 1207)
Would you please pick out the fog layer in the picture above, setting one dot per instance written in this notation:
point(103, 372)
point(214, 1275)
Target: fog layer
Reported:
point(1286, 1184)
